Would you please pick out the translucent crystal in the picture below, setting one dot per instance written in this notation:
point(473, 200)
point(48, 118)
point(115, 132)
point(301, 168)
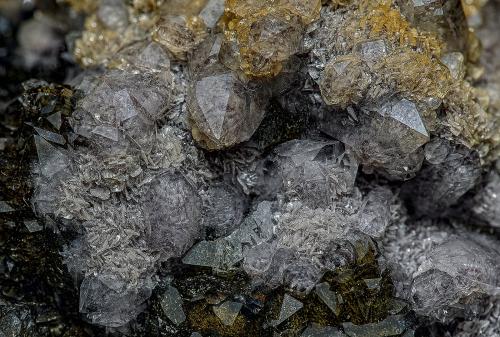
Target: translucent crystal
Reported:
point(106, 299)
point(440, 185)
point(262, 36)
point(120, 105)
point(223, 209)
point(289, 307)
point(179, 34)
point(172, 305)
point(51, 159)
point(173, 212)
point(16, 321)
point(142, 56)
point(321, 331)
point(212, 12)
point(224, 111)
point(5, 207)
point(398, 153)
point(55, 119)
point(455, 63)
point(51, 136)
point(33, 226)
point(328, 297)
point(345, 81)
point(375, 212)
point(227, 312)
point(454, 270)
point(391, 326)
point(316, 172)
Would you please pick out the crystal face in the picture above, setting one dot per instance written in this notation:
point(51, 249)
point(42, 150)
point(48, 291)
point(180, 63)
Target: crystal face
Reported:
point(250, 168)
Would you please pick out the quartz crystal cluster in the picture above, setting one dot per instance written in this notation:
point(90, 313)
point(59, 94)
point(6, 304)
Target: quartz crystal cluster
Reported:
point(296, 168)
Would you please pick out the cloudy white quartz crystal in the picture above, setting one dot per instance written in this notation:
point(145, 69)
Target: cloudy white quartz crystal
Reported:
point(455, 273)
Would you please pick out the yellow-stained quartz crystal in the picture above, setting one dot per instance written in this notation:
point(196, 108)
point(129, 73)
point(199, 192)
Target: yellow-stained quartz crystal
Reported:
point(260, 36)
point(179, 34)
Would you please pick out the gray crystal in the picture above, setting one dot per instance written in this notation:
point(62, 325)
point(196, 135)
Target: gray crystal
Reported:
point(373, 283)
point(55, 119)
point(212, 11)
point(51, 136)
point(224, 111)
point(375, 213)
point(227, 312)
point(328, 297)
point(51, 159)
point(171, 304)
point(223, 208)
point(16, 321)
point(106, 300)
point(202, 254)
point(398, 153)
point(457, 269)
point(122, 107)
point(455, 63)
point(33, 226)
point(439, 186)
point(173, 212)
point(321, 331)
point(5, 207)
point(391, 326)
point(316, 172)
point(289, 307)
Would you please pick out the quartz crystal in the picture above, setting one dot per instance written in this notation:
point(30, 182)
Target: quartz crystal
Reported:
point(454, 270)
point(261, 36)
point(438, 186)
point(256, 168)
point(224, 110)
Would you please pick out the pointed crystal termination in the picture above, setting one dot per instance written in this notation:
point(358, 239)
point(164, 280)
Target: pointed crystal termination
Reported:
point(387, 137)
point(222, 109)
point(316, 171)
point(328, 297)
point(227, 312)
point(51, 159)
point(289, 307)
point(444, 17)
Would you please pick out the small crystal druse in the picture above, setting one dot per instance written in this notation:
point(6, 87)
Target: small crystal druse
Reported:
point(276, 167)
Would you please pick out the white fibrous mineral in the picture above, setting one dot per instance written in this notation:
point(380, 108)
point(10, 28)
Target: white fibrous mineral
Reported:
point(295, 144)
point(128, 192)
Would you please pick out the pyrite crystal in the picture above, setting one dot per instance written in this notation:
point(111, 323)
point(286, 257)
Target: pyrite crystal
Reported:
point(250, 168)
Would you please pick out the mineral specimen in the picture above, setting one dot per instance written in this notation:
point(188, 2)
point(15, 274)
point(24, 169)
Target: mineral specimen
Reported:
point(224, 110)
point(261, 36)
point(454, 270)
point(271, 168)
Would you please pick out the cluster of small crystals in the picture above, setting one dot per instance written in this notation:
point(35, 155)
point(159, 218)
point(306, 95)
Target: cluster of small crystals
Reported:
point(378, 59)
point(261, 36)
point(168, 163)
